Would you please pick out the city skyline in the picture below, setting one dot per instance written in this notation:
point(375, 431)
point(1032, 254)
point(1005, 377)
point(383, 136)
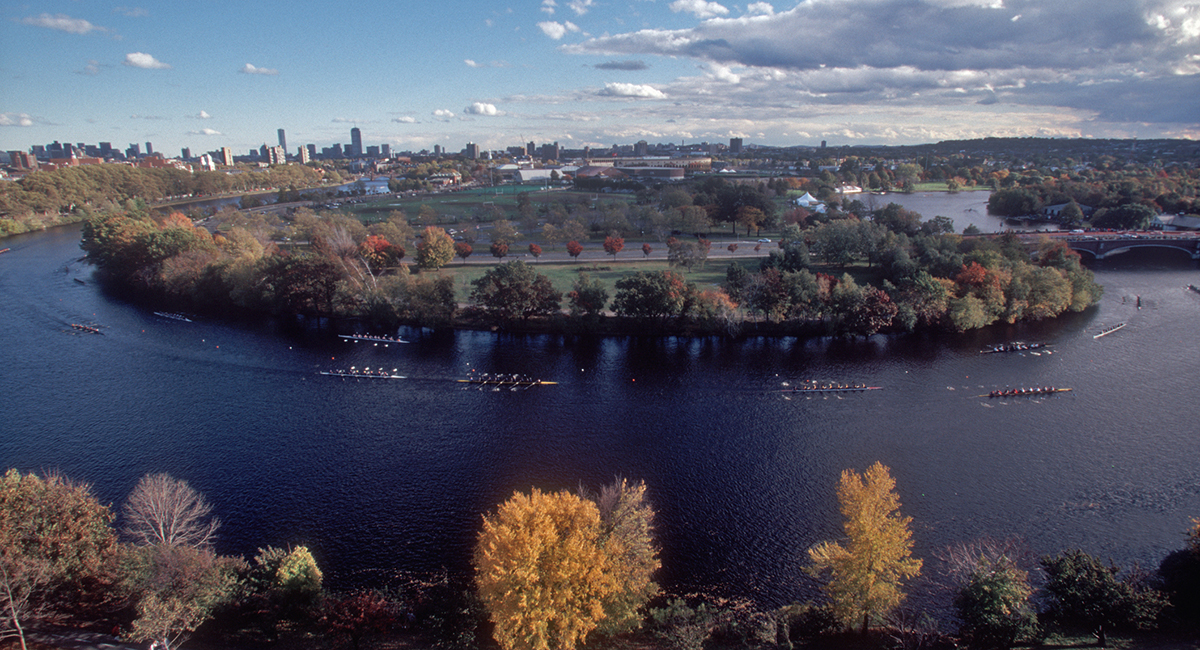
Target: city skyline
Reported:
point(596, 73)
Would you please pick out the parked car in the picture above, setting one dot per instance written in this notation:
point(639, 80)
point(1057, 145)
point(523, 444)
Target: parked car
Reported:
point(764, 240)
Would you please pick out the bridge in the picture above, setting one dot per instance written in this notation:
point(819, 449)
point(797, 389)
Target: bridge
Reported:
point(1102, 245)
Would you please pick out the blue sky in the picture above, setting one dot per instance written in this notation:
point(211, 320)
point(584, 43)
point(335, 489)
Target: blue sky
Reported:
point(595, 72)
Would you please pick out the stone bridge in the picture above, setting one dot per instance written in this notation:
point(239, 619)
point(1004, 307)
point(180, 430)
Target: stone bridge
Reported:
point(1102, 245)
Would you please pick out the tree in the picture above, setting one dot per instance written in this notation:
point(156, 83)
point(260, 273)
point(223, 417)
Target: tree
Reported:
point(165, 510)
point(732, 248)
point(613, 245)
point(359, 614)
point(868, 573)
point(535, 251)
point(541, 572)
point(298, 578)
point(503, 232)
point(647, 294)
point(178, 588)
point(750, 217)
point(686, 254)
point(499, 250)
point(56, 544)
point(646, 250)
point(514, 290)
point(626, 533)
point(1130, 216)
point(436, 248)
point(463, 250)
point(994, 603)
point(574, 249)
point(1084, 592)
point(588, 296)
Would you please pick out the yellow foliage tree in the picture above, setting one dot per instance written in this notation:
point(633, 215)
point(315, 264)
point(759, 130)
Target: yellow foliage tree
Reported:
point(542, 572)
point(867, 574)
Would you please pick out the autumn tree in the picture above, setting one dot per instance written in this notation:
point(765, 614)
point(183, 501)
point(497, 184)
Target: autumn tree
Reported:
point(56, 545)
point(499, 250)
point(574, 249)
point(359, 614)
point(177, 588)
point(646, 250)
point(647, 294)
point(504, 232)
point(463, 250)
point(613, 245)
point(627, 536)
point(535, 251)
point(167, 511)
point(867, 574)
point(993, 592)
point(541, 571)
point(436, 248)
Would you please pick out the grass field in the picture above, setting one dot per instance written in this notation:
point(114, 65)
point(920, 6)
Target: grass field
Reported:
point(458, 207)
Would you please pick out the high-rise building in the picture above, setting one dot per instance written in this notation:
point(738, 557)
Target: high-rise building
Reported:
point(312, 151)
point(641, 148)
point(22, 160)
point(373, 151)
point(472, 151)
point(275, 155)
point(385, 150)
point(186, 153)
point(303, 156)
point(282, 140)
point(735, 145)
point(530, 148)
point(134, 151)
point(227, 156)
point(149, 149)
point(437, 149)
point(356, 148)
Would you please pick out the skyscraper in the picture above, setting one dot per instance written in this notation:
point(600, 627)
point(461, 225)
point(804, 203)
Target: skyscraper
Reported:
point(282, 140)
point(472, 151)
point(356, 148)
point(149, 149)
point(735, 145)
point(227, 156)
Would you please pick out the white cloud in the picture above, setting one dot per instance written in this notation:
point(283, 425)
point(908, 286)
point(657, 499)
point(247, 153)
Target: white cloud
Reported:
point(632, 90)
point(205, 132)
point(407, 119)
point(702, 8)
point(252, 69)
point(557, 30)
point(479, 108)
point(132, 12)
point(64, 23)
point(549, 6)
point(472, 64)
point(15, 119)
point(92, 68)
point(202, 115)
point(443, 113)
point(143, 60)
point(580, 7)
point(760, 8)
point(723, 73)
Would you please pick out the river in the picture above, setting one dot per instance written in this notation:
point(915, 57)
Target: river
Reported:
point(387, 476)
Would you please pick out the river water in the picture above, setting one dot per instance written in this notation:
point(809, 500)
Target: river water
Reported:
point(386, 476)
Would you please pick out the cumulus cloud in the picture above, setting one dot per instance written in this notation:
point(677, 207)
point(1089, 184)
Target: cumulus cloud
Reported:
point(407, 119)
point(202, 115)
point(205, 132)
point(631, 64)
point(443, 113)
point(632, 90)
point(143, 60)
point(479, 108)
point(557, 30)
point(1112, 44)
point(63, 23)
point(549, 6)
point(253, 69)
point(580, 7)
point(702, 8)
point(15, 119)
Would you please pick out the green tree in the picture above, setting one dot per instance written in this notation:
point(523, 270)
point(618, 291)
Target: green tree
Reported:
point(1130, 216)
point(298, 576)
point(994, 604)
point(588, 296)
point(649, 294)
point(436, 248)
point(515, 290)
point(56, 545)
point(541, 572)
point(1084, 592)
point(868, 573)
point(503, 232)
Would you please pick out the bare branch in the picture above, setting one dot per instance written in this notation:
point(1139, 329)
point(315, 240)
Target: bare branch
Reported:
point(164, 510)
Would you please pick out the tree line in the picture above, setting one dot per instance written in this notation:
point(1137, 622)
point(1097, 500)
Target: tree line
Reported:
point(329, 265)
point(550, 570)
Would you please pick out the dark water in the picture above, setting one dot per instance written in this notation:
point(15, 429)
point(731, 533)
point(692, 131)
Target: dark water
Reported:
point(385, 476)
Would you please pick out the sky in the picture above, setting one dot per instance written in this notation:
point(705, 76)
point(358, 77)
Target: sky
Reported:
point(414, 74)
